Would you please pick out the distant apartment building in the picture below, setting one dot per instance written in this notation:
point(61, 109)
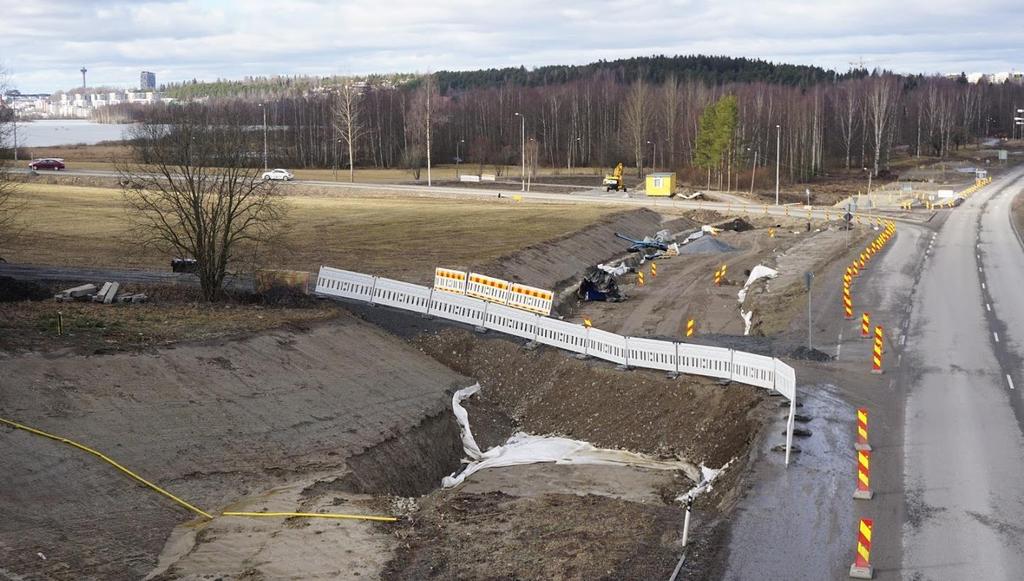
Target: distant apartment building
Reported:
point(147, 81)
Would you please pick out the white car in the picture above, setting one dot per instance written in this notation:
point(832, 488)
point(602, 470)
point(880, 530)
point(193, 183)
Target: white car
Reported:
point(278, 174)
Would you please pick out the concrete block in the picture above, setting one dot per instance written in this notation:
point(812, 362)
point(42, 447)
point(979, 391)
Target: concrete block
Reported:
point(98, 297)
point(108, 297)
point(80, 291)
point(862, 572)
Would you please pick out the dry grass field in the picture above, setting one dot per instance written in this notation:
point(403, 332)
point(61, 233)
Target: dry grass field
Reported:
point(400, 237)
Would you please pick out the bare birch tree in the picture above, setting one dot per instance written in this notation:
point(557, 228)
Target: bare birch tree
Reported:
point(348, 119)
point(880, 103)
point(635, 117)
point(11, 204)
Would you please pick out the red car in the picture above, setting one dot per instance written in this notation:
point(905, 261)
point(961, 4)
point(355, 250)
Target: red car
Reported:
point(47, 163)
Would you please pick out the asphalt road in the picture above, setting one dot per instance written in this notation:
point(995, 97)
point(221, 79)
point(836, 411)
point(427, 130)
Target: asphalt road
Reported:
point(964, 434)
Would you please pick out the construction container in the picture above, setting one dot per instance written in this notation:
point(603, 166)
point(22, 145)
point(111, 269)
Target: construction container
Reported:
point(661, 184)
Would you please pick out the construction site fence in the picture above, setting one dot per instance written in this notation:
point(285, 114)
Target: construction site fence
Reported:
point(718, 362)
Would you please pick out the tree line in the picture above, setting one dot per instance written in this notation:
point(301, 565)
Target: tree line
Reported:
point(600, 115)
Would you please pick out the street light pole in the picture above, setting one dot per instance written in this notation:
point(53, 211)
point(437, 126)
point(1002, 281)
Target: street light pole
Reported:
point(654, 155)
point(778, 159)
point(265, 166)
point(457, 158)
point(523, 148)
point(15, 118)
point(753, 172)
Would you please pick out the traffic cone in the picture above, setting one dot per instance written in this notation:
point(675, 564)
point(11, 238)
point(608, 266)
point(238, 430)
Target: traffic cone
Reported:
point(863, 491)
point(861, 568)
point(876, 358)
point(862, 431)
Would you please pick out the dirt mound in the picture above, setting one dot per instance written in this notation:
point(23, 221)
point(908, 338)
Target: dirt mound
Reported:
point(736, 225)
point(805, 354)
point(476, 536)
point(552, 263)
point(549, 393)
point(706, 245)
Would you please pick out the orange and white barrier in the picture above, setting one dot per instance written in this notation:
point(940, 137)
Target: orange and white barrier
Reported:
point(691, 327)
point(861, 568)
point(452, 281)
point(863, 491)
point(528, 298)
point(876, 355)
point(488, 288)
point(862, 431)
point(865, 326)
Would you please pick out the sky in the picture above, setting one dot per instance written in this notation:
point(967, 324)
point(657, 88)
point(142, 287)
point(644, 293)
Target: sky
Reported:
point(44, 44)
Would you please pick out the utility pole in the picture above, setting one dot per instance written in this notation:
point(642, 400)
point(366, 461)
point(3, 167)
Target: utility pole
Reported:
point(457, 158)
point(753, 172)
point(265, 166)
point(523, 147)
point(654, 155)
point(15, 118)
point(83, 71)
point(808, 278)
point(778, 159)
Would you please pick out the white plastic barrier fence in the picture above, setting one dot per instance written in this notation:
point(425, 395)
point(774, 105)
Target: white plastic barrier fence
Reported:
point(528, 298)
point(653, 354)
point(607, 346)
point(557, 333)
point(469, 178)
point(453, 281)
point(752, 369)
point(747, 368)
point(458, 308)
point(404, 295)
point(488, 288)
point(511, 321)
point(703, 360)
point(345, 284)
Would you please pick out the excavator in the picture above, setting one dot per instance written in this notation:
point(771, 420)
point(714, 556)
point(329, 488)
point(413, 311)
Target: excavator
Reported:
point(614, 180)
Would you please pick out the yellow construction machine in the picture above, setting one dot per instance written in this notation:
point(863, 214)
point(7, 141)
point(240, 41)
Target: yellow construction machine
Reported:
point(614, 180)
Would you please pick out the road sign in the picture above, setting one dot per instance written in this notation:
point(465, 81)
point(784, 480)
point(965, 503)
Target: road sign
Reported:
point(847, 216)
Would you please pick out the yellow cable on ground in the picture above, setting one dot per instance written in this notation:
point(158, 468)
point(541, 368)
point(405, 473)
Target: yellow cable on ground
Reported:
point(110, 461)
point(315, 515)
point(135, 476)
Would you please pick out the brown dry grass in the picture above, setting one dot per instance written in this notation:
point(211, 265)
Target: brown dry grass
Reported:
point(395, 236)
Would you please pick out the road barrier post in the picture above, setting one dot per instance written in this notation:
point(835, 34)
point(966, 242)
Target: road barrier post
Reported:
point(771, 232)
point(639, 278)
point(654, 270)
point(862, 431)
point(876, 359)
point(691, 326)
point(847, 303)
point(718, 276)
point(587, 322)
point(856, 270)
point(865, 326)
point(848, 276)
point(863, 491)
point(861, 568)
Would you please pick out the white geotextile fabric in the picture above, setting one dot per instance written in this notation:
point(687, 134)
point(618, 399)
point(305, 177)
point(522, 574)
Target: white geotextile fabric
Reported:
point(619, 270)
point(523, 448)
point(758, 272)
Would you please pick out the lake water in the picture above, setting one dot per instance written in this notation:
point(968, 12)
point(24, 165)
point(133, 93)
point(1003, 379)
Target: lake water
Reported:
point(50, 132)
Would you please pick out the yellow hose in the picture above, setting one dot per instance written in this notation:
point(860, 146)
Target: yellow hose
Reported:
point(110, 461)
point(315, 515)
point(199, 511)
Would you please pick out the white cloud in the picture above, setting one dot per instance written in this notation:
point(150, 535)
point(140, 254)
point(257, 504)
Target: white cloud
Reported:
point(44, 44)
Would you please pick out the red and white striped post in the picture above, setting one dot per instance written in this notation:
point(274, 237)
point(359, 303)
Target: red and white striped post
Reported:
point(863, 491)
point(876, 355)
point(862, 431)
point(847, 302)
point(861, 568)
point(865, 326)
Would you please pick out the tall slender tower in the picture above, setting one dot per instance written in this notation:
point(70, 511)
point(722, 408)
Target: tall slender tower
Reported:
point(84, 70)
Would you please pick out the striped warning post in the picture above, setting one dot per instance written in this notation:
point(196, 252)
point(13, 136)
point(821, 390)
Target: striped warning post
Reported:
point(848, 276)
point(771, 232)
point(787, 211)
point(587, 322)
point(863, 491)
point(725, 268)
point(862, 431)
point(654, 270)
point(691, 327)
point(718, 276)
point(639, 278)
point(861, 568)
point(856, 271)
point(847, 303)
point(865, 326)
point(876, 355)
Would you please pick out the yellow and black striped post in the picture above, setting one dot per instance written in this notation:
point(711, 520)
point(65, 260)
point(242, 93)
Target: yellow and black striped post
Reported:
point(654, 270)
point(639, 278)
point(691, 327)
point(876, 355)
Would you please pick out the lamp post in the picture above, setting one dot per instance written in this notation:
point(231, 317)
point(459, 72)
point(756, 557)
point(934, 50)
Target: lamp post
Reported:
point(870, 173)
point(265, 166)
point(523, 147)
point(654, 155)
point(572, 146)
point(778, 159)
point(15, 119)
point(457, 158)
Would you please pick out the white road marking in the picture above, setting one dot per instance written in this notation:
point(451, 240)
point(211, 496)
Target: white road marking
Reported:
point(1009, 380)
point(982, 286)
point(903, 339)
point(899, 360)
point(996, 335)
point(979, 269)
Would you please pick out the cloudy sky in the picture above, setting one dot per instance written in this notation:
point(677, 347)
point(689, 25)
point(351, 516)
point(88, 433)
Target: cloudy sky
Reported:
point(44, 43)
